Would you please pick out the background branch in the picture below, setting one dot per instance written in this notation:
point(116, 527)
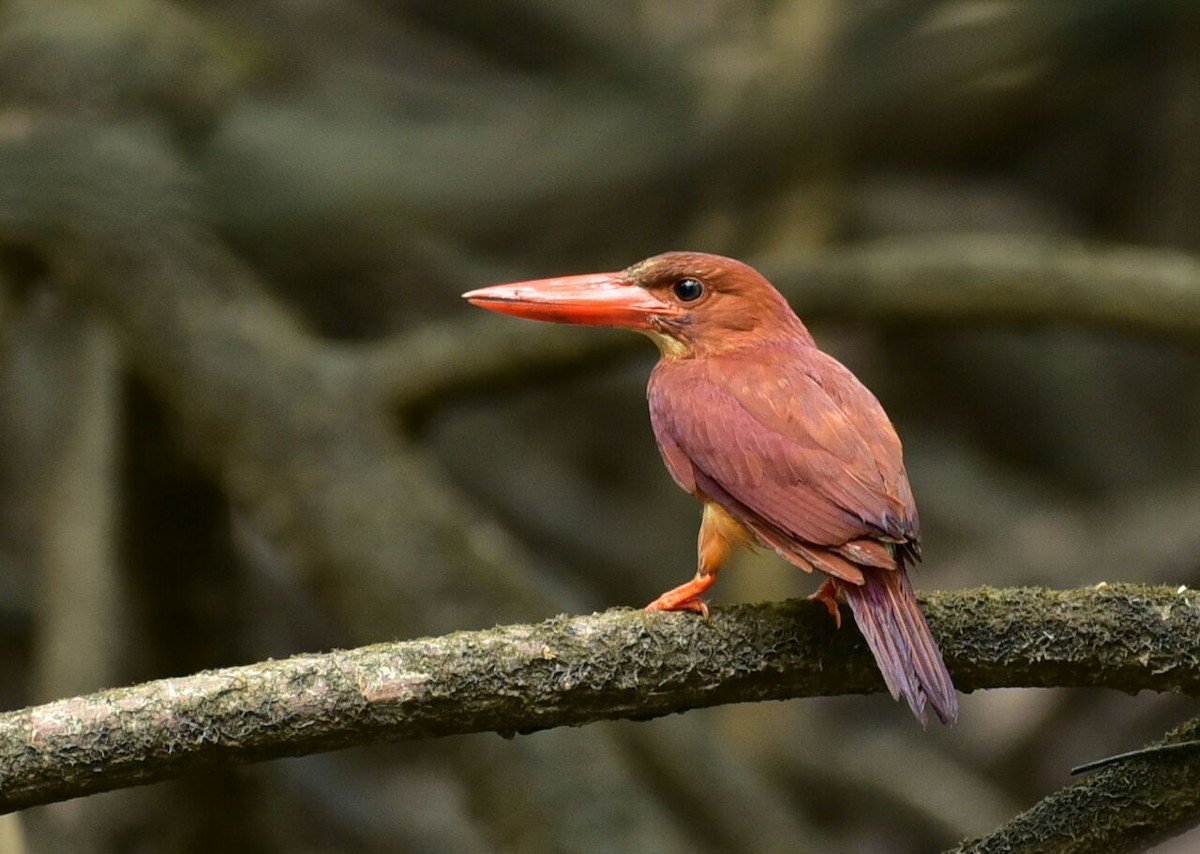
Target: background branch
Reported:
point(1126, 807)
point(575, 670)
point(995, 279)
point(247, 196)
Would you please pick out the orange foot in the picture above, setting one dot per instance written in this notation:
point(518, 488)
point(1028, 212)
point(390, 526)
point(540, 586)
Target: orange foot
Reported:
point(826, 594)
point(685, 597)
point(662, 603)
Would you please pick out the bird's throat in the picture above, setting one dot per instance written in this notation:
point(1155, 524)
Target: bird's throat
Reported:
point(669, 346)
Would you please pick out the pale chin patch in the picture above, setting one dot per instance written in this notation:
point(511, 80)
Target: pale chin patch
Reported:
point(670, 348)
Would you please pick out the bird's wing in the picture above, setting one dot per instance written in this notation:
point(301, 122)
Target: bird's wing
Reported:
point(797, 443)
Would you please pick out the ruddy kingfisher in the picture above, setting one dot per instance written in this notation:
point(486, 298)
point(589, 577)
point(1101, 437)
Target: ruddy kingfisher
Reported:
point(782, 445)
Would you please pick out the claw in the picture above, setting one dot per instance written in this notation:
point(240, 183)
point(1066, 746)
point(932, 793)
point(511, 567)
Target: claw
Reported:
point(826, 594)
point(685, 597)
point(668, 603)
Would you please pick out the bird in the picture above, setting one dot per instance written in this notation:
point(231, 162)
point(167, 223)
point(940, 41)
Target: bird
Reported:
point(783, 446)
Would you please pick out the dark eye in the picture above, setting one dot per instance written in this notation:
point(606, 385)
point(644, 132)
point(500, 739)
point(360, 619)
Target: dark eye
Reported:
point(687, 290)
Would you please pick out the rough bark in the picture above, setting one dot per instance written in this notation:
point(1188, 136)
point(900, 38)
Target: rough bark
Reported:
point(1127, 807)
point(569, 671)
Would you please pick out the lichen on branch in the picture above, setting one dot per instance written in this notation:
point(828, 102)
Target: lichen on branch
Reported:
point(569, 671)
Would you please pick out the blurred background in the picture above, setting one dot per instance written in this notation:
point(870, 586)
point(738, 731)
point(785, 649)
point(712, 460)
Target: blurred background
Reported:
point(243, 412)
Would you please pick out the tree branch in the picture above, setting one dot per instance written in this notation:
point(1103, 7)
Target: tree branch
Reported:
point(1006, 278)
point(1127, 807)
point(569, 671)
point(946, 279)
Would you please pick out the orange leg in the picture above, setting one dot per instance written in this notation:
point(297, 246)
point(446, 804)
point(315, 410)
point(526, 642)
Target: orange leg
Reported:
point(826, 594)
point(720, 533)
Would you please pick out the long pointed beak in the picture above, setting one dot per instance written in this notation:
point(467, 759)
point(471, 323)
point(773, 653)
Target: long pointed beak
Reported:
point(595, 299)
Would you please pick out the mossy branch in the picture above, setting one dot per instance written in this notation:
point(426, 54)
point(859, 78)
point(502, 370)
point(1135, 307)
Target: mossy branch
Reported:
point(569, 671)
point(1127, 807)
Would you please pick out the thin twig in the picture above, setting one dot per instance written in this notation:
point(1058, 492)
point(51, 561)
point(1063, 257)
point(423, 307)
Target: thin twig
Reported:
point(1098, 764)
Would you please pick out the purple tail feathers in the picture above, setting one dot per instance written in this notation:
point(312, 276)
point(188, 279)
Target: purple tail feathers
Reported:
point(890, 619)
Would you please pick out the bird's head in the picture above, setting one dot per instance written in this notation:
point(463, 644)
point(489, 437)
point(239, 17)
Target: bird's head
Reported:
point(690, 303)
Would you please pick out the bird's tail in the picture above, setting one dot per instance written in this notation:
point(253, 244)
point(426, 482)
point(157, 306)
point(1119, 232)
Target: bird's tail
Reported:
point(890, 619)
